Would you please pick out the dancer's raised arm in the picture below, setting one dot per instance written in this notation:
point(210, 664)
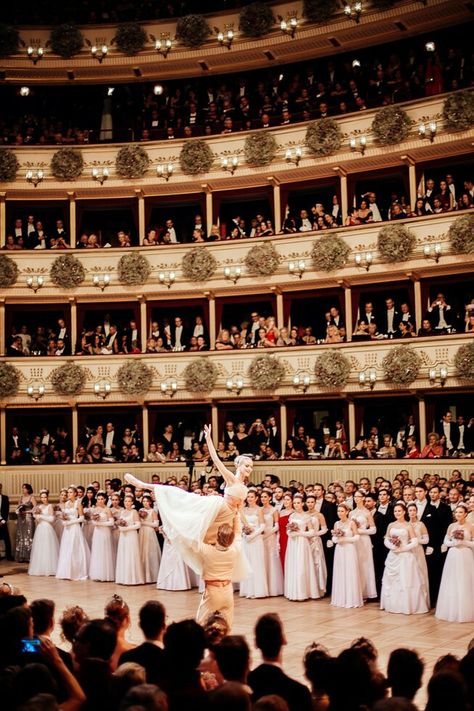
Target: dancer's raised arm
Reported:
point(229, 478)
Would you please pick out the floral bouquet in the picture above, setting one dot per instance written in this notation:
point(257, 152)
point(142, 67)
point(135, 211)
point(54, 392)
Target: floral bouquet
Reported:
point(292, 527)
point(20, 510)
point(247, 530)
point(357, 522)
point(121, 523)
point(57, 508)
point(143, 513)
point(396, 541)
point(95, 516)
point(338, 532)
point(36, 511)
point(87, 514)
point(458, 534)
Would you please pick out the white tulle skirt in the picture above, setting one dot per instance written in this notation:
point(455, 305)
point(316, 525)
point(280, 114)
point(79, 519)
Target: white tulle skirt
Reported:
point(403, 587)
point(73, 563)
point(129, 569)
point(346, 582)
point(150, 553)
point(255, 585)
point(173, 573)
point(273, 566)
point(366, 566)
point(44, 551)
point(456, 592)
point(102, 562)
point(301, 582)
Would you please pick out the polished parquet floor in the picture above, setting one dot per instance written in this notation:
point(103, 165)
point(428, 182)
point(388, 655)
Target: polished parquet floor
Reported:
point(304, 622)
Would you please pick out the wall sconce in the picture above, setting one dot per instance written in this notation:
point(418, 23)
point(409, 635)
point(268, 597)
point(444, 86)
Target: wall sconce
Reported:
point(301, 382)
point(297, 268)
point(353, 11)
point(164, 170)
point(36, 392)
point(368, 378)
point(441, 375)
point(158, 89)
point(294, 155)
point(100, 174)
point(225, 38)
point(230, 164)
point(99, 53)
point(233, 273)
point(358, 144)
point(163, 46)
point(289, 26)
point(167, 278)
point(428, 130)
point(102, 389)
point(35, 54)
point(101, 281)
point(433, 251)
point(364, 259)
point(235, 385)
point(34, 282)
point(169, 387)
point(35, 176)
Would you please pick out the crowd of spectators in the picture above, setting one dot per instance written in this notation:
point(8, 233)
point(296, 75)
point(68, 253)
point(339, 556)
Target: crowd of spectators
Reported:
point(378, 76)
point(437, 196)
point(46, 339)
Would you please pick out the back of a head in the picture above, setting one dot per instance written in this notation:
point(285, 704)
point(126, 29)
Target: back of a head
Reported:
point(231, 696)
point(404, 672)
point(271, 703)
point(146, 696)
point(71, 621)
point(117, 611)
point(152, 618)
point(33, 679)
point(446, 690)
point(353, 667)
point(185, 643)
point(96, 638)
point(317, 666)
point(233, 657)
point(394, 703)
point(269, 637)
point(225, 535)
point(42, 612)
point(40, 702)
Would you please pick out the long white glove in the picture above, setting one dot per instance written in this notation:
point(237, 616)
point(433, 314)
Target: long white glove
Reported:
point(367, 531)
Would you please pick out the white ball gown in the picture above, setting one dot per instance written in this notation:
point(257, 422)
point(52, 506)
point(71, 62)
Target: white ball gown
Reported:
point(255, 585)
point(272, 555)
point(58, 523)
point(456, 592)
point(116, 513)
point(45, 549)
point(88, 526)
point(403, 586)
point(173, 573)
point(73, 563)
point(150, 551)
point(129, 568)
point(364, 551)
point(346, 580)
point(102, 562)
point(301, 581)
point(318, 554)
point(423, 539)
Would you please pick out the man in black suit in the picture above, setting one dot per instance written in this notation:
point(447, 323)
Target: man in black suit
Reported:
point(466, 436)
point(383, 516)
point(273, 439)
point(369, 315)
point(179, 334)
point(389, 319)
point(4, 514)
point(440, 314)
point(269, 677)
point(442, 517)
point(449, 429)
point(149, 654)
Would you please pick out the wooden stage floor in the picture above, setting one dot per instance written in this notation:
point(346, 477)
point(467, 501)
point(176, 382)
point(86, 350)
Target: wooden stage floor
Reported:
point(304, 622)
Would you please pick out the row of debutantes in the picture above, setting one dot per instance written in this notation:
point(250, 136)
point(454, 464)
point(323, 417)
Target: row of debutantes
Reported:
point(297, 551)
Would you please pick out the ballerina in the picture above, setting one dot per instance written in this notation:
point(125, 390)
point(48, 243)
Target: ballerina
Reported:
point(189, 519)
point(150, 551)
point(73, 562)
point(365, 527)
point(45, 549)
point(455, 599)
point(102, 562)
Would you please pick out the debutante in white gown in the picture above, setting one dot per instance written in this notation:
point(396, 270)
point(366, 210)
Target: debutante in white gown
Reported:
point(252, 544)
point(88, 526)
point(173, 573)
point(58, 524)
point(318, 554)
point(272, 555)
point(129, 568)
point(116, 513)
point(301, 581)
point(150, 551)
point(423, 539)
point(45, 548)
point(346, 580)
point(73, 563)
point(456, 592)
point(364, 551)
point(102, 563)
point(403, 587)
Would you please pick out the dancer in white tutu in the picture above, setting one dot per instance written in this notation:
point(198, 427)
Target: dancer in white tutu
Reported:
point(45, 549)
point(102, 563)
point(456, 596)
point(73, 563)
point(173, 573)
point(273, 565)
point(129, 568)
point(189, 519)
point(365, 528)
point(150, 551)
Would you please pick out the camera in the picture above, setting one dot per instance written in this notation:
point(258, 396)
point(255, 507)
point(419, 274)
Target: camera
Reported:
point(30, 646)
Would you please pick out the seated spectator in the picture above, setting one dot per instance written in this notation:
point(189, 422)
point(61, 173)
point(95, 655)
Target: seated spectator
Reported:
point(432, 450)
point(426, 328)
point(223, 342)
